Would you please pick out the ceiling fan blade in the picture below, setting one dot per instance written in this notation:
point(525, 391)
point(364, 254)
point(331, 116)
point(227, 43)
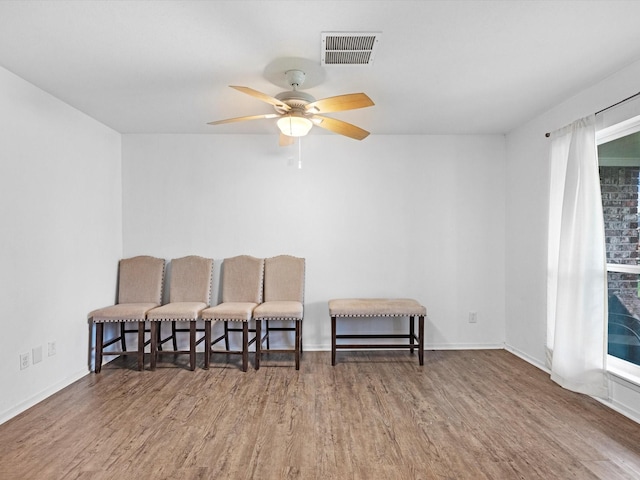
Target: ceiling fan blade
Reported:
point(343, 128)
point(286, 140)
point(242, 119)
point(263, 96)
point(349, 101)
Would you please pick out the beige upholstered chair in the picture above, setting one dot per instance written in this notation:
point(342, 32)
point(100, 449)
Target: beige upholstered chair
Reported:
point(140, 282)
point(189, 294)
point(284, 301)
point(241, 281)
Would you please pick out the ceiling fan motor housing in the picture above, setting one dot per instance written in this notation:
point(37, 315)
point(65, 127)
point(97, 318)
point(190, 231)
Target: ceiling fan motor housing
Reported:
point(295, 99)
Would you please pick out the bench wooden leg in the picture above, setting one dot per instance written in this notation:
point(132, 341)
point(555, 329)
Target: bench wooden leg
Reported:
point(333, 341)
point(412, 333)
point(99, 341)
point(421, 339)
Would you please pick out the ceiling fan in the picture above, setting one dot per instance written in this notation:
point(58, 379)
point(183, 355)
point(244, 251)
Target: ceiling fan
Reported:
point(297, 112)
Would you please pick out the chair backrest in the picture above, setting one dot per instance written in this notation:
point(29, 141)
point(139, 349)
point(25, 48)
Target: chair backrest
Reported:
point(284, 278)
point(190, 279)
point(242, 279)
point(140, 280)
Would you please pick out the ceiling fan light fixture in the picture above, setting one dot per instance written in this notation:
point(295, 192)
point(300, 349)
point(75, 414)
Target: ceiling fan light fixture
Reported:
point(294, 126)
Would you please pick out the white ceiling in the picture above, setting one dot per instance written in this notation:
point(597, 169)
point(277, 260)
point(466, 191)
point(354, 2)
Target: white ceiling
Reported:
point(442, 66)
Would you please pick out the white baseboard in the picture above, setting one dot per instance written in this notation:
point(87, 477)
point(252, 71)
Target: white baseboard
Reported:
point(527, 358)
point(621, 409)
point(627, 410)
point(464, 346)
point(428, 346)
point(630, 389)
point(39, 397)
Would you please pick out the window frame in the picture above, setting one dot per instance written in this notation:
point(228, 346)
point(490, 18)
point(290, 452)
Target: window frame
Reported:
point(614, 365)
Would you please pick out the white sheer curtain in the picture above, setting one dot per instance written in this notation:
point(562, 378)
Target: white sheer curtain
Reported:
point(577, 273)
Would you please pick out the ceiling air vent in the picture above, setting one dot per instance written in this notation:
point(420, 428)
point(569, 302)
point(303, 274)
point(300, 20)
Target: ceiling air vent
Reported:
point(349, 48)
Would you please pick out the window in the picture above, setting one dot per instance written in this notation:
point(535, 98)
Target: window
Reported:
point(619, 165)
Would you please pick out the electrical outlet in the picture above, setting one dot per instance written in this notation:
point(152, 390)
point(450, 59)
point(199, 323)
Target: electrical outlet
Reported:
point(24, 361)
point(36, 353)
point(51, 350)
point(473, 317)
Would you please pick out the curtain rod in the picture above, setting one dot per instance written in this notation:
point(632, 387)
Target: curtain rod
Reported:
point(548, 134)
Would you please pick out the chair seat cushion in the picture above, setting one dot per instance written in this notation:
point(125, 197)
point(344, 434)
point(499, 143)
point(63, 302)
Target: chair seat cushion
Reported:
point(123, 312)
point(180, 311)
point(279, 310)
point(230, 311)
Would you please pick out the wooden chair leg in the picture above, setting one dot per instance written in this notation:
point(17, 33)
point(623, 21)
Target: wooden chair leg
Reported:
point(159, 337)
point(245, 346)
point(174, 336)
point(266, 324)
point(226, 336)
point(300, 322)
point(207, 344)
point(123, 337)
point(154, 345)
point(192, 345)
point(298, 343)
point(140, 352)
point(99, 346)
point(258, 343)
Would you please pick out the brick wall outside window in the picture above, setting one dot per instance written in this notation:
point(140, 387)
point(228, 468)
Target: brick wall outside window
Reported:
point(619, 187)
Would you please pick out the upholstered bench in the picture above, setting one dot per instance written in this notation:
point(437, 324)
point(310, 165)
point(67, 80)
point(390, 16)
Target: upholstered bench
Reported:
point(345, 308)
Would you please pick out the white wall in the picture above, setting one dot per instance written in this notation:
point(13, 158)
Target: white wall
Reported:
point(408, 216)
point(457, 222)
point(526, 219)
point(60, 191)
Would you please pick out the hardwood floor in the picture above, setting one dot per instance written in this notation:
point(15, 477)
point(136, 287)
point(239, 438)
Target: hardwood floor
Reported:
point(375, 415)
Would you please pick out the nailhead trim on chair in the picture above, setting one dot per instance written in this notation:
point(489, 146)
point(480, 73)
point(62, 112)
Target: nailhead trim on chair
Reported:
point(169, 319)
point(279, 318)
point(120, 320)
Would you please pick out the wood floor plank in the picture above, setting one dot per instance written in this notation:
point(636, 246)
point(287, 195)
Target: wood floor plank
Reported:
point(463, 415)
